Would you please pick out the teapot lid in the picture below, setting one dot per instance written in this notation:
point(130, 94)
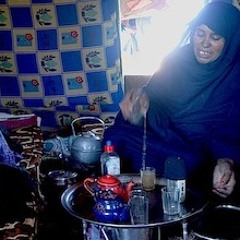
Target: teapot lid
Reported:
point(108, 180)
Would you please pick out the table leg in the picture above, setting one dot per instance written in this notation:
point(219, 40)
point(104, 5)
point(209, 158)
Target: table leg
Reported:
point(159, 233)
point(185, 230)
point(84, 224)
point(102, 229)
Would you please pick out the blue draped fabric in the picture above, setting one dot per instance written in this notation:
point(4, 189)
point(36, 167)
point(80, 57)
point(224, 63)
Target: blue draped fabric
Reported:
point(128, 142)
point(193, 109)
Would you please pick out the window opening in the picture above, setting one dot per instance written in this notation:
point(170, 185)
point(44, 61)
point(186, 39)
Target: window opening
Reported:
point(150, 29)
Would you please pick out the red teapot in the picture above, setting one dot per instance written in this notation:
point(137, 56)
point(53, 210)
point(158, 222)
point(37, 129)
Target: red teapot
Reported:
point(108, 182)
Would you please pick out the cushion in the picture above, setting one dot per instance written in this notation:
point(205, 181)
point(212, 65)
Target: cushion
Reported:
point(22, 196)
point(31, 140)
point(14, 121)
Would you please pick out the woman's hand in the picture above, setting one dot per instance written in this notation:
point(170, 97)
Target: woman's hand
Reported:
point(134, 106)
point(126, 105)
point(223, 177)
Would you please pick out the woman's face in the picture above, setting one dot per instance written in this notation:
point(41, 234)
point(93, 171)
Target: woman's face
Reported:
point(207, 45)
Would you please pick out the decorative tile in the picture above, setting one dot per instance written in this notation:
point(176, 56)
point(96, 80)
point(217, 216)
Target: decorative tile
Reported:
point(53, 85)
point(31, 86)
point(90, 35)
point(55, 101)
point(5, 22)
point(75, 83)
point(71, 61)
point(90, 12)
point(21, 17)
point(8, 86)
point(41, 1)
point(33, 102)
point(24, 40)
point(18, 2)
point(27, 63)
point(70, 38)
point(49, 62)
point(47, 39)
point(44, 16)
point(6, 40)
point(11, 102)
point(97, 81)
point(94, 59)
point(67, 14)
point(7, 64)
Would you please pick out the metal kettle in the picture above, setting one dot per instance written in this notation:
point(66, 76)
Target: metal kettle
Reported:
point(86, 148)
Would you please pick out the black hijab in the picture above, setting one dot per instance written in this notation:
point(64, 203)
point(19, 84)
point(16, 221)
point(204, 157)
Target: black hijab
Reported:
point(192, 98)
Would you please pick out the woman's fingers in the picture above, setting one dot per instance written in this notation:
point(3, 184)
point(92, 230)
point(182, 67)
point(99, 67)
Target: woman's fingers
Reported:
point(226, 186)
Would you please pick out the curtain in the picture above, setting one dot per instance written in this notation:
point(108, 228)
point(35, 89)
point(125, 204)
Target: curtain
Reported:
point(137, 8)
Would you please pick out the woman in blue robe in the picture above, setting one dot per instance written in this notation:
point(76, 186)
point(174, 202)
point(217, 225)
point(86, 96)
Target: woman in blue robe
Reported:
point(190, 103)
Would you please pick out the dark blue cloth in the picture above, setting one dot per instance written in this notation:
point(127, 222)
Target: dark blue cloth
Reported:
point(193, 109)
point(128, 142)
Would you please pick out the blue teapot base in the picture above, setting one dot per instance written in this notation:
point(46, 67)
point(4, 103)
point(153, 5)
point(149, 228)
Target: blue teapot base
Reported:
point(111, 212)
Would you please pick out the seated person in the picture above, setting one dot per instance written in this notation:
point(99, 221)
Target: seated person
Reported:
point(189, 106)
point(15, 184)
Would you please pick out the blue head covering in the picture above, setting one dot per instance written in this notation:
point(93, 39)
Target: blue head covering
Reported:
point(223, 19)
point(217, 16)
point(194, 98)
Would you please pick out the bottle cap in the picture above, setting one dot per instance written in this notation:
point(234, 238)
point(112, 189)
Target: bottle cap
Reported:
point(175, 168)
point(109, 147)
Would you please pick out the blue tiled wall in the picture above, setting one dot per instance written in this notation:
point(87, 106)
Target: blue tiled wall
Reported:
point(60, 58)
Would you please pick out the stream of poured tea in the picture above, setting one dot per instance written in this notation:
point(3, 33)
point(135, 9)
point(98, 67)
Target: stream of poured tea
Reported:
point(144, 147)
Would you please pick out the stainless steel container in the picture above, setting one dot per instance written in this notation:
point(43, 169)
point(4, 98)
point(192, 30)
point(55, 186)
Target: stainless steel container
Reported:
point(62, 178)
point(218, 222)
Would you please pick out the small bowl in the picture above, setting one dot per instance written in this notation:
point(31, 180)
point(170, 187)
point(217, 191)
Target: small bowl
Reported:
point(62, 178)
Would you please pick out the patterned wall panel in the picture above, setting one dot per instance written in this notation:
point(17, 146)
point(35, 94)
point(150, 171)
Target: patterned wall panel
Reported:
point(60, 58)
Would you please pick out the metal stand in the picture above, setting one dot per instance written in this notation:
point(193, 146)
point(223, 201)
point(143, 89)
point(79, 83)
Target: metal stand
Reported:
point(84, 224)
point(121, 231)
point(185, 230)
point(159, 233)
point(109, 233)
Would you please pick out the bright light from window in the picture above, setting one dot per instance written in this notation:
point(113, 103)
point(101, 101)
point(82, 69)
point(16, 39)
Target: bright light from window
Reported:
point(154, 41)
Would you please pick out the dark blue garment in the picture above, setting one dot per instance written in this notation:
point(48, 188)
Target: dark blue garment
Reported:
point(193, 109)
point(128, 142)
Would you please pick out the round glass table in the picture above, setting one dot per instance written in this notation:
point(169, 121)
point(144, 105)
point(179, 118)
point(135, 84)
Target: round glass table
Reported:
point(78, 202)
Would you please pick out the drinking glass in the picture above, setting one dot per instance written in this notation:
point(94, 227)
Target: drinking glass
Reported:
point(148, 177)
point(170, 200)
point(139, 206)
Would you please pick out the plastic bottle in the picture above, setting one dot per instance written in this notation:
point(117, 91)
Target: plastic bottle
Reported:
point(175, 173)
point(110, 161)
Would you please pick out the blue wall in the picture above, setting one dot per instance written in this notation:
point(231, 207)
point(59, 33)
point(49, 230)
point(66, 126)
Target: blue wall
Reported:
point(60, 59)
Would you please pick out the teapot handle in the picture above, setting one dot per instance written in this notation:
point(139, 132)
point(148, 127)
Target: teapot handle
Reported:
point(86, 183)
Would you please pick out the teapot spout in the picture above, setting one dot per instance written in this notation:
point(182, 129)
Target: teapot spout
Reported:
point(127, 190)
point(130, 186)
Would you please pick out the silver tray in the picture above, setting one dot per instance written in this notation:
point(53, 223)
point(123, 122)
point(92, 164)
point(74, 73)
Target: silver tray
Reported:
point(79, 203)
